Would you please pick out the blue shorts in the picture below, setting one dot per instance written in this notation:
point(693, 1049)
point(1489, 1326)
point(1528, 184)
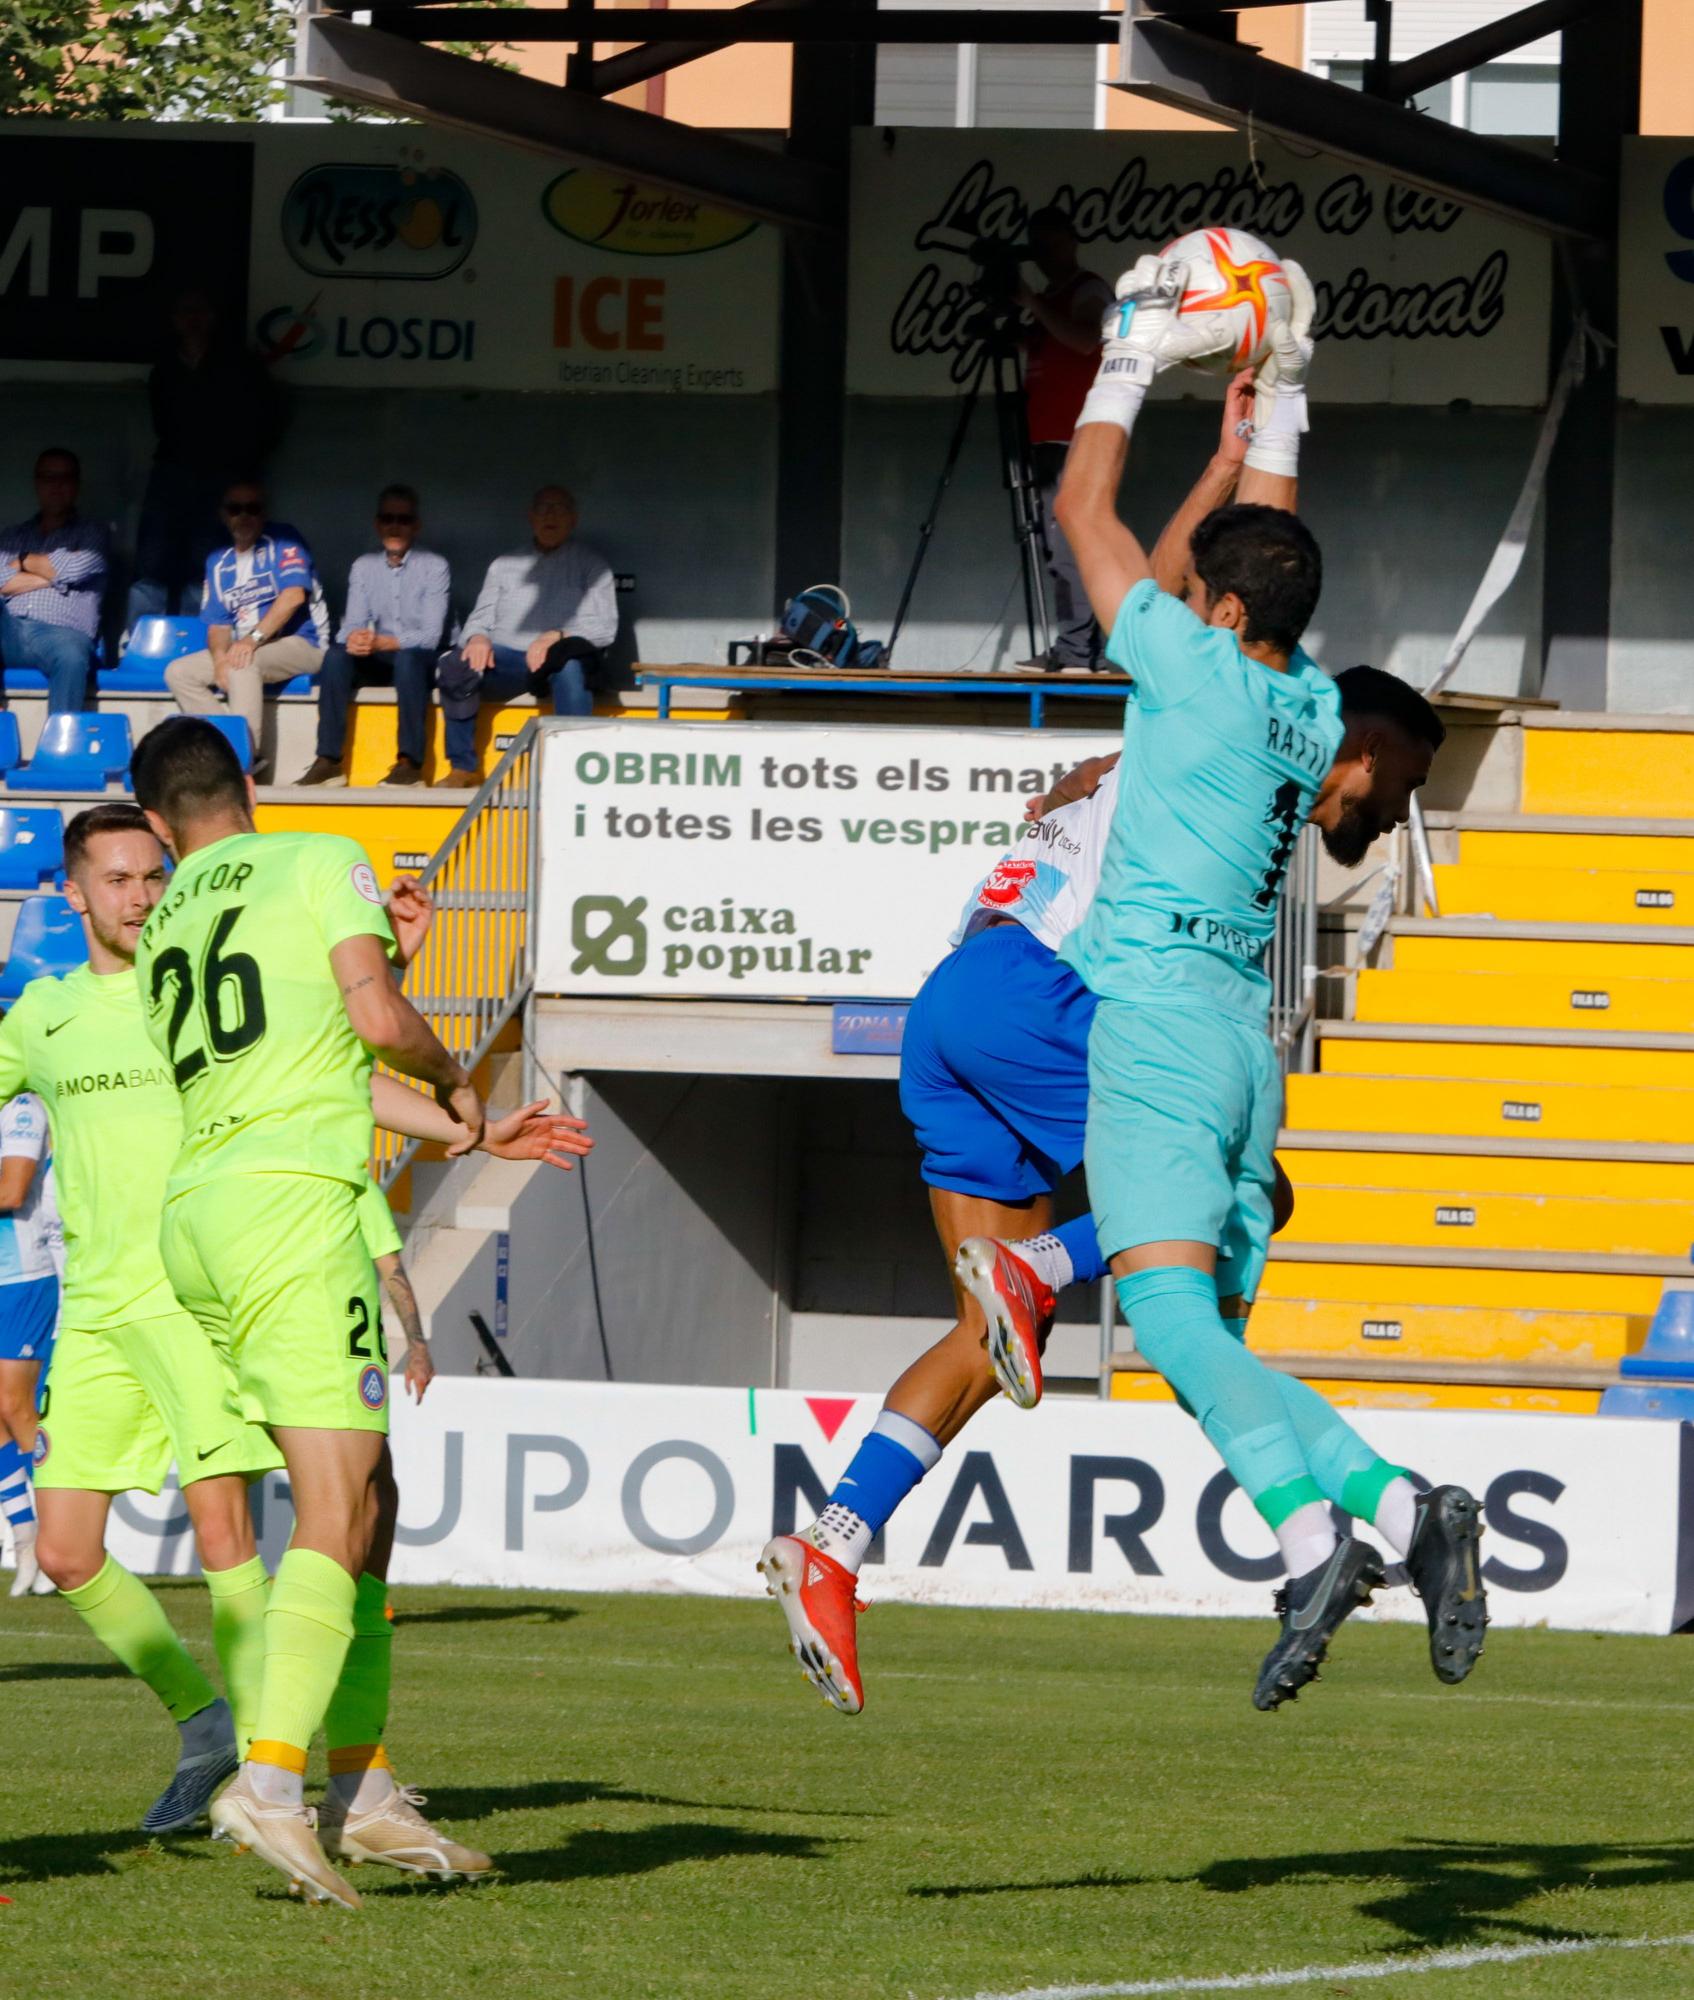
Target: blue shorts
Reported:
point(28, 1314)
point(994, 1067)
point(1183, 1109)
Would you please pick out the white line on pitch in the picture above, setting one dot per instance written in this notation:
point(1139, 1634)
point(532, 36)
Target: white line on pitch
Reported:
point(1380, 1968)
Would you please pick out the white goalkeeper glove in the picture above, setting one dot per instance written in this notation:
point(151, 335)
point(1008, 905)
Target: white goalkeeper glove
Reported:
point(1279, 389)
point(1140, 341)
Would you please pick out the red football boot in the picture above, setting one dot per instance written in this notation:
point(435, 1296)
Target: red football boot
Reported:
point(817, 1598)
point(1019, 1311)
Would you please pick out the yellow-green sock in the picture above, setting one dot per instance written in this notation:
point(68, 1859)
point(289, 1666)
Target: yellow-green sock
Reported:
point(130, 1622)
point(358, 1710)
point(239, 1597)
point(308, 1625)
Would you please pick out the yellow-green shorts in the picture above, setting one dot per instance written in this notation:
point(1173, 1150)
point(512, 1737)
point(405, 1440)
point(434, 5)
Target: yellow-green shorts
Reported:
point(123, 1402)
point(275, 1266)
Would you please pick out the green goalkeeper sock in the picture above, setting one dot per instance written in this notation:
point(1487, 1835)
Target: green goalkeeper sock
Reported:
point(239, 1597)
point(308, 1625)
point(130, 1622)
point(358, 1710)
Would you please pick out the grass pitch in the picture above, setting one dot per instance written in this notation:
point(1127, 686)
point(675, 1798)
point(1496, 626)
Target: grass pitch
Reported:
point(1030, 1800)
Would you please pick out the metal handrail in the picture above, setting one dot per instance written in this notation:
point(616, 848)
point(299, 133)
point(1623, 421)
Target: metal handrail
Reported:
point(477, 966)
point(1292, 960)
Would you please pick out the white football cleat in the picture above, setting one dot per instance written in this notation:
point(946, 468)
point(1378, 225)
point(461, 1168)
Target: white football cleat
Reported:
point(29, 1578)
point(397, 1833)
point(285, 1836)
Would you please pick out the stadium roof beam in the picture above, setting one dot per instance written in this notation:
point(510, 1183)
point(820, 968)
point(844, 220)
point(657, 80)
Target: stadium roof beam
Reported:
point(724, 27)
point(395, 76)
point(1402, 81)
point(1215, 79)
point(637, 65)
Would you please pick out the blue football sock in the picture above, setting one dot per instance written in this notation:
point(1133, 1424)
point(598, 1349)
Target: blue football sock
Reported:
point(17, 1497)
point(883, 1470)
point(1235, 1398)
point(1083, 1247)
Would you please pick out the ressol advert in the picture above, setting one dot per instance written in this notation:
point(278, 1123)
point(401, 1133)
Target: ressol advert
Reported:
point(768, 862)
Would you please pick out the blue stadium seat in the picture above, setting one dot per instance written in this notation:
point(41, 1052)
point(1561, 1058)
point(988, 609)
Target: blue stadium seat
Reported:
point(1666, 1400)
point(235, 728)
point(47, 943)
point(301, 684)
point(31, 680)
point(76, 753)
point(11, 744)
point(153, 644)
point(32, 847)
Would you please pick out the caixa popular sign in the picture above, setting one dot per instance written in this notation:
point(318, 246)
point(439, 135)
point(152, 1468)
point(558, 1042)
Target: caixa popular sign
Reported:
point(1095, 1506)
point(376, 219)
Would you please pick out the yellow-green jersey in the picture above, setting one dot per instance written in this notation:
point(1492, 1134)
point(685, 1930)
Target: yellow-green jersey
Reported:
point(81, 1044)
point(242, 1002)
point(376, 1223)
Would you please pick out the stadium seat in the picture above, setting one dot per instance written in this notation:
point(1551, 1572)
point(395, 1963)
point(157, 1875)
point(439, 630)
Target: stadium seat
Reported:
point(32, 847)
point(76, 753)
point(235, 728)
point(31, 680)
point(1672, 1400)
point(47, 943)
point(153, 644)
point(11, 744)
point(301, 684)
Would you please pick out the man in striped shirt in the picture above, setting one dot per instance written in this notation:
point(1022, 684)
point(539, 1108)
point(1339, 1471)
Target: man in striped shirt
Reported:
point(52, 574)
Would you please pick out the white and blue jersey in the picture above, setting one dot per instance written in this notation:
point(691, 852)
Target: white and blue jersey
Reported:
point(1048, 880)
point(994, 1061)
point(242, 585)
point(31, 1237)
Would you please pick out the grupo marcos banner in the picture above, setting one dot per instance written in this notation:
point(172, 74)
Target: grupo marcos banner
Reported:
point(798, 862)
point(366, 256)
point(1419, 299)
point(1092, 1506)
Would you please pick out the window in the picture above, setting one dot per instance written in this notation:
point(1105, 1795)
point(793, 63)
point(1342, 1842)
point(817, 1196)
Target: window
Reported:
point(1517, 100)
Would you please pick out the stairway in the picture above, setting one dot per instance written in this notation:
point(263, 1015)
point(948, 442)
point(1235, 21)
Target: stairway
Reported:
point(1494, 1161)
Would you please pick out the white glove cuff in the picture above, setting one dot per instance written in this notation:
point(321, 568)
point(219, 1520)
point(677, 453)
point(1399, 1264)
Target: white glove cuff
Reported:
point(1276, 452)
point(1113, 401)
point(1287, 416)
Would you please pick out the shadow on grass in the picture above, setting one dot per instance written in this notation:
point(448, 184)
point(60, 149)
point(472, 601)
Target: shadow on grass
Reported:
point(474, 1802)
point(40, 1857)
point(1433, 1892)
point(66, 1670)
point(489, 1614)
point(598, 1853)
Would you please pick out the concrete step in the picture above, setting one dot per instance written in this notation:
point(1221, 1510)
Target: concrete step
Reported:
point(1458, 996)
point(1666, 1063)
point(1346, 1331)
point(1409, 1394)
point(1389, 1279)
point(1594, 771)
point(1487, 1108)
point(1482, 1218)
point(1651, 900)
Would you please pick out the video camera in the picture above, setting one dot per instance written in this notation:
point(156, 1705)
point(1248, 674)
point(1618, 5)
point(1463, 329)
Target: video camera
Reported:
point(998, 267)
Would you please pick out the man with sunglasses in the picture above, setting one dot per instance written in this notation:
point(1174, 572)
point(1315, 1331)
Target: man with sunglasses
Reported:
point(265, 614)
point(390, 636)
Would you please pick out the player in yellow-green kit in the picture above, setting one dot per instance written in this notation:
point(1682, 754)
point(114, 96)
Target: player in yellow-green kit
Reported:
point(136, 1382)
point(266, 980)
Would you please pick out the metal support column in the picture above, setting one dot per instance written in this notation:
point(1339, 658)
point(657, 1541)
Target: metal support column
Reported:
point(1599, 102)
point(834, 89)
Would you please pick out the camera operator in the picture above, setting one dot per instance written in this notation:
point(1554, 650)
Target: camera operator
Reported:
point(1061, 353)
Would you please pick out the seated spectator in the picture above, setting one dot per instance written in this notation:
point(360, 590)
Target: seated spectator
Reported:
point(265, 615)
point(52, 574)
point(546, 615)
point(216, 415)
point(391, 635)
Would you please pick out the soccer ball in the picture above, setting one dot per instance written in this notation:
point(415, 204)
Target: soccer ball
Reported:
point(1237, 281)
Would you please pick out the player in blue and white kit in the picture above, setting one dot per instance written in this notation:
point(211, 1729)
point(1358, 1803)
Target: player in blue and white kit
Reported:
point(1231, 747)
point(31, 1247)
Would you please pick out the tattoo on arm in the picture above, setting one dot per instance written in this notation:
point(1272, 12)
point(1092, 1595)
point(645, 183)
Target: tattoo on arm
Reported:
point(368, 980)
point(405, 1303)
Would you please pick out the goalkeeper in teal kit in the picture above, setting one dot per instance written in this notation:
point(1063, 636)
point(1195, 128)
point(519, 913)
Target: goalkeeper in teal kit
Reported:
point(1231, 752)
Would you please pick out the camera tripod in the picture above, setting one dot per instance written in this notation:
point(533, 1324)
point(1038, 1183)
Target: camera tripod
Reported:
point(998, 364)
